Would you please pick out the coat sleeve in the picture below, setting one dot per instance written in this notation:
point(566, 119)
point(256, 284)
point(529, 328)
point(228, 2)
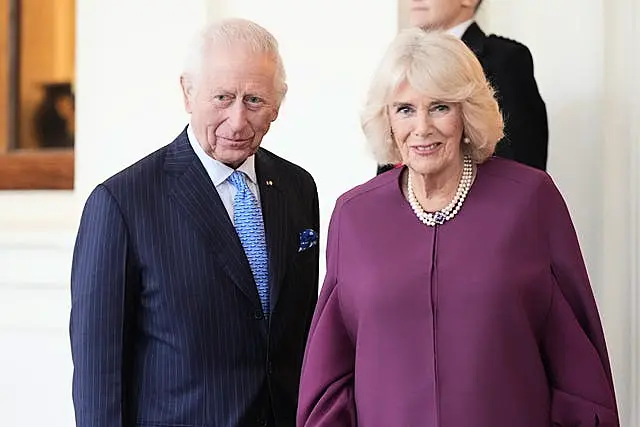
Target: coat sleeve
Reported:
point(326, 385)
point(573, 343)
point(98, 311)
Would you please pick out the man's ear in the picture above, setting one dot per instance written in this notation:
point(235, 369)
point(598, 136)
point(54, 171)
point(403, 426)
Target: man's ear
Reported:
point(276, 110)
point(186, 83)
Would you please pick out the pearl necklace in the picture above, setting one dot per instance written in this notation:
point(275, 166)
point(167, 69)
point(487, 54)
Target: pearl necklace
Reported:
point(449, 211)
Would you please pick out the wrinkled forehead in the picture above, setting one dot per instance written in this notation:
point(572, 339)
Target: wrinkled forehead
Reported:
point(232, 67)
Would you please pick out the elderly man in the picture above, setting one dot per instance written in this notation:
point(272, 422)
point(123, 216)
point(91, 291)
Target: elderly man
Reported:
point(195, 271)
point(508, 66)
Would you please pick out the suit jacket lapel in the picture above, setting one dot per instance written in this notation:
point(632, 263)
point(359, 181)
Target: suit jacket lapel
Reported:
point(194, 192)
point(280, 242)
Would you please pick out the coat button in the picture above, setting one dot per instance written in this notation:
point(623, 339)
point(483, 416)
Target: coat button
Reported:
point(258, 315)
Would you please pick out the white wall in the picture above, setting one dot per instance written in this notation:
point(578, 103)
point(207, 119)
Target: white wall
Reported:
point(35, 365)
point(129, 104)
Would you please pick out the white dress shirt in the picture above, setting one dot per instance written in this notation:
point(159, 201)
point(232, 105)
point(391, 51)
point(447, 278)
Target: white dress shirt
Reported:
point(219, 172)
point(459, 29)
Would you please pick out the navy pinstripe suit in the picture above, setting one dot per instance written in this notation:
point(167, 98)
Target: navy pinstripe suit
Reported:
point(166, 326)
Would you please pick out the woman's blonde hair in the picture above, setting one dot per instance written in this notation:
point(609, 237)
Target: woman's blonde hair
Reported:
point(443, 68)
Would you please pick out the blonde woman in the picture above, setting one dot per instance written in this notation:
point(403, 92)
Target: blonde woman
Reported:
point(456, 294)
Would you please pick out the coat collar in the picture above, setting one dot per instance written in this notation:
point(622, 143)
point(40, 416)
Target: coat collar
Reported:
point(474, 38)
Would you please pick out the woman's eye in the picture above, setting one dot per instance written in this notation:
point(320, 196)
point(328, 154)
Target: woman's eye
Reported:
point(404, 109)
point(440, 108)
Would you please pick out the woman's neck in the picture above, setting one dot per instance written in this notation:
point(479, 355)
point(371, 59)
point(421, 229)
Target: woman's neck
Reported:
point(435, 191)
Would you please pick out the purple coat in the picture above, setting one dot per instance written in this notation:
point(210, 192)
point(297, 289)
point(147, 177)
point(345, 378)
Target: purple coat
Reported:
point(486, 321)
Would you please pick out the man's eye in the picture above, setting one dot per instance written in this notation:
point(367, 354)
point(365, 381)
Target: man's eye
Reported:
point(254, 100)
point(223, 98)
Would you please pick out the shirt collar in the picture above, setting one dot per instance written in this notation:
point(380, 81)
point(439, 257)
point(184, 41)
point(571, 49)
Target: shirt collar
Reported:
point(458, 30)
point(219, 172)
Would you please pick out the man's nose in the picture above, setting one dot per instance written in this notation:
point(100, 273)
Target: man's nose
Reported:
point(238, 115)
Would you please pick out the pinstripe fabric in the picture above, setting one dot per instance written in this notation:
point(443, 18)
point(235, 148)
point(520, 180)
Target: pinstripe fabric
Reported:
point(166, 324)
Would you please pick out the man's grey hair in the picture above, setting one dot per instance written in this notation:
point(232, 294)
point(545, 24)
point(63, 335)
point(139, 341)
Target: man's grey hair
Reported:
point(229, 33)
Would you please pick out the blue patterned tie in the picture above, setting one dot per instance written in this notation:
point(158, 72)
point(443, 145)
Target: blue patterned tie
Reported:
point(247, 217)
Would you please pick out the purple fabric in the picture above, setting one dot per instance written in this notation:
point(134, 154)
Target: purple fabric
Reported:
point(486, 321)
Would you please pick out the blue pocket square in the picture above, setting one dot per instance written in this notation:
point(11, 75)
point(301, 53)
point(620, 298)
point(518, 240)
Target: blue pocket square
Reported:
point(308, 239)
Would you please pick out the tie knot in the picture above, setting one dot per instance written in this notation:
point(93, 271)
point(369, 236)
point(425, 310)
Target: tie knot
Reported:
point(237, 179)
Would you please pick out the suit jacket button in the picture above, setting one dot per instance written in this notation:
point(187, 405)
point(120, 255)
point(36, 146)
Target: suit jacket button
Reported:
point(258, 315)
point(269, 368)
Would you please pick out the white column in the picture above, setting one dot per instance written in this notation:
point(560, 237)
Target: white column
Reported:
point(620, 281)
point(634, 283)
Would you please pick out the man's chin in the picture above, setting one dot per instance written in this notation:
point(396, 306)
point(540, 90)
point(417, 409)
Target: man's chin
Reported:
point(233, 159)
